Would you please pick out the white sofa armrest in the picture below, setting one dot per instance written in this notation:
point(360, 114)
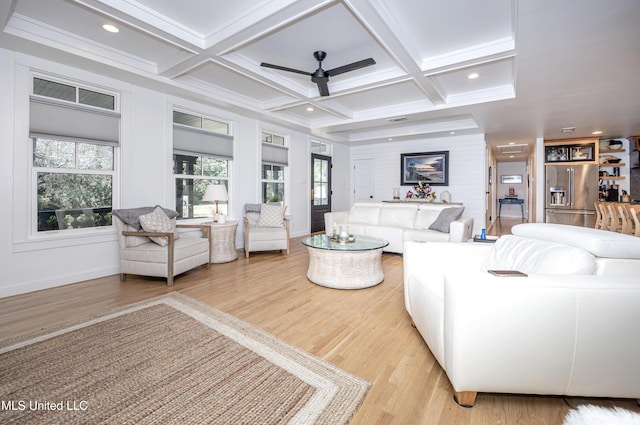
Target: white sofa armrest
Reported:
point(428, 262)
point(542, 334)
point(334, 217)
point(461, 229)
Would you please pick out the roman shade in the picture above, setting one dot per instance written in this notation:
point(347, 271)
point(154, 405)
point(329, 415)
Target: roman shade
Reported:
point(49, 118)
point(195, 141)
point(275, 154)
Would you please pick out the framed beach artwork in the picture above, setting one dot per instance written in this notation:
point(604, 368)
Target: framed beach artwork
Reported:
point(428, 167)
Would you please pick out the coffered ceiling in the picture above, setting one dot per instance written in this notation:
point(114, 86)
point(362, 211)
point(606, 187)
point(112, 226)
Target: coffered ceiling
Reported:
point(541, 65)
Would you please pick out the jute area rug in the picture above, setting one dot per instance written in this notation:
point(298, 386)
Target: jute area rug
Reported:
point(170, 360)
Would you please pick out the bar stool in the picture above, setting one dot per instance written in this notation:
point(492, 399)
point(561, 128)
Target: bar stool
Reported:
point(599, 218)
point(626, 221)
point(635, 210)
point(614, 217)
point(605, 223)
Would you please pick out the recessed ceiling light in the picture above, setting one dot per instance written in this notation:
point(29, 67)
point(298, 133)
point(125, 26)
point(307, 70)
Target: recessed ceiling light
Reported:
point(473, 76)
point(452, 132)
point(597, 132)
point(111, 28)
point(310, 109)
point(390, 139)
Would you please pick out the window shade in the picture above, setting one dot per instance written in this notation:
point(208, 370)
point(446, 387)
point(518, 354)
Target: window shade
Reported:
point(50, 118)
point(274, 154)
point(198, 142)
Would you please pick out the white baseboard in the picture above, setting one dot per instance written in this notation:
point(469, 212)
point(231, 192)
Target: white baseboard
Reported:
point(8, 290)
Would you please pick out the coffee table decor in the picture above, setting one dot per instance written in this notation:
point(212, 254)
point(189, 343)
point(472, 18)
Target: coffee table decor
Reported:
point(354, 263)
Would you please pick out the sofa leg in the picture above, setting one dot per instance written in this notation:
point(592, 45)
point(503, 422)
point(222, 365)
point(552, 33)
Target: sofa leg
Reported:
point(170, 281)
point(465, 398)
point(123, 277)
point(413, 325)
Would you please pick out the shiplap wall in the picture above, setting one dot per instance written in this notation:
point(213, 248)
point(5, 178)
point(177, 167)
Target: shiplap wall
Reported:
point(467, 170)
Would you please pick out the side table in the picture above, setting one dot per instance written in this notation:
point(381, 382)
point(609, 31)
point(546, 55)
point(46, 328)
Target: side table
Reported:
point(223, 242)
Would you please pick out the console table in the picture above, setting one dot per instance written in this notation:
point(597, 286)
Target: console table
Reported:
point(508, 200)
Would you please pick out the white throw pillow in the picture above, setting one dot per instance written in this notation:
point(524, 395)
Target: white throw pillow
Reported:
point(271, 216)
point(533, 256)
point(157, 221)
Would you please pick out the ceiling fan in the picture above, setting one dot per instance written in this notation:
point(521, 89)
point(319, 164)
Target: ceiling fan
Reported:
point(320, 76)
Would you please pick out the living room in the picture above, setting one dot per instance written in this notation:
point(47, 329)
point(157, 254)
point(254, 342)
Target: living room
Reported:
point(77, 271)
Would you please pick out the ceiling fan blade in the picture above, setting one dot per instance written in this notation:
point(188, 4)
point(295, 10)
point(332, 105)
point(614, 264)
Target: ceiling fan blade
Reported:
point(351, 67)
point(323, 89)
point(284, 68)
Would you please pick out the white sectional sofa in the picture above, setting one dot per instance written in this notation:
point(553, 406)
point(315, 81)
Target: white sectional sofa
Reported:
point(404, 221)
point(569, 328)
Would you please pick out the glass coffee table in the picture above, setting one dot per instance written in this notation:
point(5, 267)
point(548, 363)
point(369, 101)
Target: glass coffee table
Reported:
point(345, 265)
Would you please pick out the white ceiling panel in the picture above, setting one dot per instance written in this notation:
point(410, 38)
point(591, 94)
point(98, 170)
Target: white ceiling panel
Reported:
point(82, 28)
point(492, 75)
point(222, 77)
point(392, 95)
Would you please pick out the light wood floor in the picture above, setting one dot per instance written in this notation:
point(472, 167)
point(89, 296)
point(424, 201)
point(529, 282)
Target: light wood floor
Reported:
point(366, 332)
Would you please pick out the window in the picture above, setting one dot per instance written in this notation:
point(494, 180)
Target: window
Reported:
point(272, 183)
point(202, 150)
point(74, 184)
point(275, 159)
point(320, 148)
point(74, 133)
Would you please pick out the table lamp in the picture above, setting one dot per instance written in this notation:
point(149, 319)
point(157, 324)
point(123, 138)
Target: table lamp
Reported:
point(216, 193)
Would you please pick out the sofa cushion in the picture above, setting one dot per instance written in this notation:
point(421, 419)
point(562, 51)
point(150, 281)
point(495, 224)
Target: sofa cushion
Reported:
point(445, 218)
point(132, 241)
point(271, 216)
point(157, 221)
point(425, 218)
point(601, 243)
point(362, 214)
point(397, 217)
point(153, 253)
point(541, 257)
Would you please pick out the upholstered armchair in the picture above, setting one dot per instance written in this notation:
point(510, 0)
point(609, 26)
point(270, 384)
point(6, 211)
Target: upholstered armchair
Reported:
point(266, 228)
point(151, 245)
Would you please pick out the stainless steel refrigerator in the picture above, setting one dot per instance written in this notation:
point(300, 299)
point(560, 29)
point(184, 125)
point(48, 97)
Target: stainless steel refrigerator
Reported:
point(571, 193)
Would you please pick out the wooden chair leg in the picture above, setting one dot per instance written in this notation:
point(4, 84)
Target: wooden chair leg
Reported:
point(465, 398)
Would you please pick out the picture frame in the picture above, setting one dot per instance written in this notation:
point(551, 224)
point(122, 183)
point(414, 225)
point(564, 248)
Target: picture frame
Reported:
point(428, 167)
point(511, 179)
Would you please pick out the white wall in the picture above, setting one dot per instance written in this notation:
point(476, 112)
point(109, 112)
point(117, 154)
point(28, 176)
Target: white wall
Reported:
point(467, 174)
point(341, 178)
point(31, 262)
